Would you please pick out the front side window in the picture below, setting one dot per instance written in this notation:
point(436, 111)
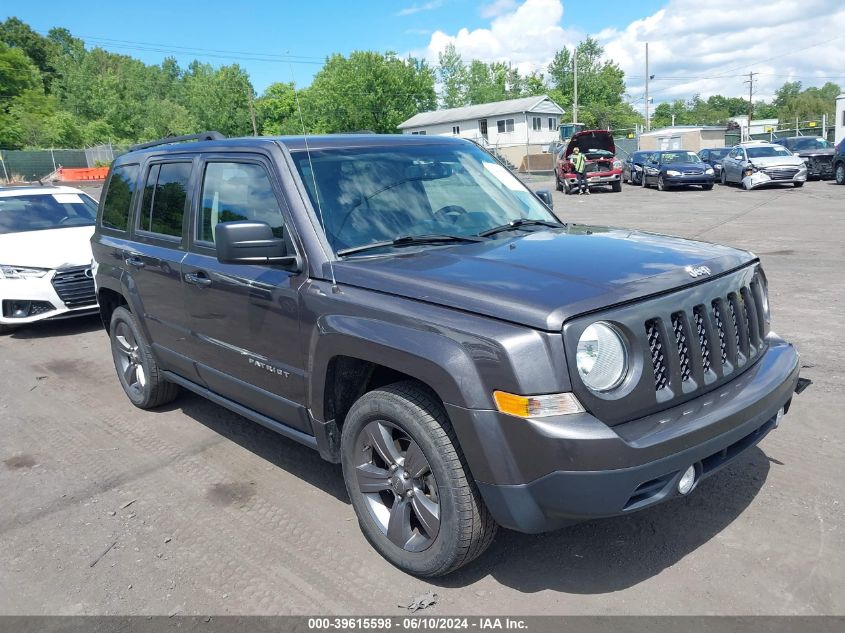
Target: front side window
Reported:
point(165, 193)
point(118, 199)
point(233, 192)
point(21, 214)
point(377, 194)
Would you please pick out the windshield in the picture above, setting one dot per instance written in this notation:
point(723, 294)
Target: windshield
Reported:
point(811, 142)
point(377, 194)
point(19, 214)
point(719, 153)
point(766, 151)
point(671, 158)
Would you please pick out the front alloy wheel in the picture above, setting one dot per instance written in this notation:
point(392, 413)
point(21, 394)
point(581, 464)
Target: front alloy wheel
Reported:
point(408, 481)
point(661, 186)
point(396, 481)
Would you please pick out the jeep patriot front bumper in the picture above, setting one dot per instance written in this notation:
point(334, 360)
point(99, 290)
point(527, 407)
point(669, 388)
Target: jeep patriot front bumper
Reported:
point(540, 474)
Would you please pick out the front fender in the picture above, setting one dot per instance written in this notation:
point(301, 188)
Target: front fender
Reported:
point(427, 355)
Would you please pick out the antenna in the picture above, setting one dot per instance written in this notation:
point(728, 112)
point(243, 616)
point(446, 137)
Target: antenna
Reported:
point(313, 176)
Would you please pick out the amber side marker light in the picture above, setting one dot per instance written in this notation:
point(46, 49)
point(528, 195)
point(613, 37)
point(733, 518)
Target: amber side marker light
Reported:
point(537, 406)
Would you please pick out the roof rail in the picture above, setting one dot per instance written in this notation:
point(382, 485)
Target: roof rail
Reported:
point(202, 136)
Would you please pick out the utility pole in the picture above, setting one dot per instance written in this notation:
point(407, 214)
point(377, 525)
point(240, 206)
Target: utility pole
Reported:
point(647, 122)
point(750, 82)
point(575, 79)
point(252, 111)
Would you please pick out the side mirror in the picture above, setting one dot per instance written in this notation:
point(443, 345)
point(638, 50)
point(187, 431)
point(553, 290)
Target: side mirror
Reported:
point(546, 197)
point(250, 243)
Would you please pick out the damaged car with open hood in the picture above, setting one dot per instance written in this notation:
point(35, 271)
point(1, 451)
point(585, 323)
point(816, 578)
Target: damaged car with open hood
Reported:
point(603, 168)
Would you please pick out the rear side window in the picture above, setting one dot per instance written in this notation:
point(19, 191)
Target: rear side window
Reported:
point(165, 192)
point(119, 197)
point(234, 192)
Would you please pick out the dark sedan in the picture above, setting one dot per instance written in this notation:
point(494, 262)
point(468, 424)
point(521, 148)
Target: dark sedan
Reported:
point(713, 156)
point(632, 168)
point(816, 152)
point(839, 163)
point(677, 168)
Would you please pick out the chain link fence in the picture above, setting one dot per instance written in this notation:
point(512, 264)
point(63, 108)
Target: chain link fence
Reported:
point(32, 165)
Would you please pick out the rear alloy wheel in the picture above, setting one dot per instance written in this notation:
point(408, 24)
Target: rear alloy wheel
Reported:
point(136, 366)
point(405, 473)
point(839, 174)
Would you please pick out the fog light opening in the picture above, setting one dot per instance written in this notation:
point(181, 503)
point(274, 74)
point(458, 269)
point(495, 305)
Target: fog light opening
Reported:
point(20, 309)
point(687, 481)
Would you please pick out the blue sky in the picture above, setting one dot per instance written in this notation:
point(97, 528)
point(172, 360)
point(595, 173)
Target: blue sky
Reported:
point(308, 30)
point(695, 46)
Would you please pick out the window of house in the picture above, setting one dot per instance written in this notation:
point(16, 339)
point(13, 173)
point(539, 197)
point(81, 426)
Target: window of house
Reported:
point(233, 192)
point(482, 127)
point(537, 123)
point(421, 132)
point(165, 193)
point(504, 125)
point(456, 129)
point(552, 123)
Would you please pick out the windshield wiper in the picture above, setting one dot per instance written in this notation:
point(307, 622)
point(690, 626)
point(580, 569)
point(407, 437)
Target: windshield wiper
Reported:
point(518, 224)
point(411, 240)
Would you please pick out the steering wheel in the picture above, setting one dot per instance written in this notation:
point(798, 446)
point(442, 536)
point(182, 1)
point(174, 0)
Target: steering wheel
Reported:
point(451, 211)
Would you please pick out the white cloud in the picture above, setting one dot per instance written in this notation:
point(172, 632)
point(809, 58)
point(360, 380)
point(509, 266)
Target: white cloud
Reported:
point(694, 48)
point(528, 36)
point(707, 52)
point(496, 8)
point(417, 8)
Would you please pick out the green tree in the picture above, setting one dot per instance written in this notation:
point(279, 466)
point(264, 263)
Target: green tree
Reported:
point(40, 49)
point(368, 91)
point(452, 75)
point(277, 109)
point(17, 73)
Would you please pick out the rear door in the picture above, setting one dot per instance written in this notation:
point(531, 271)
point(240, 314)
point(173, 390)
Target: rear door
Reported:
point(245, 318)
point(154, 258)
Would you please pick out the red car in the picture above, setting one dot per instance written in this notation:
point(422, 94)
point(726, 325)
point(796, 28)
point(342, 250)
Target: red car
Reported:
point(603, 168)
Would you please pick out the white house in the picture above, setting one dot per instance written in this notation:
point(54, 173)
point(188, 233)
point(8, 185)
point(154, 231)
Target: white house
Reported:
point(840, 119)
point(758, 126)
point(689, 137)
point(516, 128)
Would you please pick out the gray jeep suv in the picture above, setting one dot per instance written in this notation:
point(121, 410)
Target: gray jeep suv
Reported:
point(407, 307)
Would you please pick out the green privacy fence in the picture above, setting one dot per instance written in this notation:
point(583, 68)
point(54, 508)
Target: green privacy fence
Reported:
point(35, 164)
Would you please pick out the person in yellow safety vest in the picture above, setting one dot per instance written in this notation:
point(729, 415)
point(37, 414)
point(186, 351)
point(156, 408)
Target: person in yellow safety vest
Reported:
point(579, 162)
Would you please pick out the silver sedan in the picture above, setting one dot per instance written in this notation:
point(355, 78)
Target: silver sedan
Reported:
point(757, 164)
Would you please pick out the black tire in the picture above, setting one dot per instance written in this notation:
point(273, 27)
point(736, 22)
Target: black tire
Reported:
point(616, 186)
point(724, 178)
point(839, 173)
point(411, 415)
point(6, 329)
point(137, 369)
point(797, 185)
point(558, 185)
point(707, 187)
point(661, 185)
point(643, 182)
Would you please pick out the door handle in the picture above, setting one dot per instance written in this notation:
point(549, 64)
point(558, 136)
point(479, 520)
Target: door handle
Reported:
point(197, 279)
point(134, 261)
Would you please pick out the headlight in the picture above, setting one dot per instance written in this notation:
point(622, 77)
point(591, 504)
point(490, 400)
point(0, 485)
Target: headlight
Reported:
point(601, 357)
point(709, 170)
point(617, 164)
point(20, 272)
point(672, 172)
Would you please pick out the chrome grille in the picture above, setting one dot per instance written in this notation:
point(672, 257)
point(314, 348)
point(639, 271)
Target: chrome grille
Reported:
point(658, 358)
point(75, 286)
point(780, 173)
point(679, 328)
point(703, 341)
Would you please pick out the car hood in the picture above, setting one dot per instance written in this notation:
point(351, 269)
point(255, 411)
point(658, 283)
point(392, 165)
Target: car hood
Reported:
point(544, 278)
point(52, 248)
point(591, 139)
point(821, 151)
point(774, 161)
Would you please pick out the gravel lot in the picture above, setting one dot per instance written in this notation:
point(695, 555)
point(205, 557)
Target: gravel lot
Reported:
point(199, 511)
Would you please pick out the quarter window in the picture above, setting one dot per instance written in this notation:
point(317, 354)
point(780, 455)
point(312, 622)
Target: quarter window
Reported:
point(118, 198)
point(165, 192)
point(234, 192)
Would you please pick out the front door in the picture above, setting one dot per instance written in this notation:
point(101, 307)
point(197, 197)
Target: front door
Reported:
point(245, 318)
